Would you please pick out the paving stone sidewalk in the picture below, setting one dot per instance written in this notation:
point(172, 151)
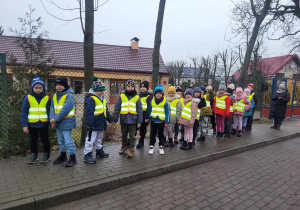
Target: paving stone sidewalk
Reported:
point(36, 186)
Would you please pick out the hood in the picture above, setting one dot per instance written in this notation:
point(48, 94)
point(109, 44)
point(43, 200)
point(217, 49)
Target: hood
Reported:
point(92, 93)
point(70, 90)
point(196, 100)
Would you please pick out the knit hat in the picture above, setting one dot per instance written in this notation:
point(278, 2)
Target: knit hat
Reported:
point(189, 91)
point(62, 81)
point(251, 85)
point(159, 88)
point(171, 89)
point(98, 84)
point(203, 88)
point(197, 89)
point(129, 81)
point(222, 86)
point(37, 80)
point(178, 89)
point(145, 84)
point(231, 86)
point(282, 85)
point(239, 90)
point(247, 90)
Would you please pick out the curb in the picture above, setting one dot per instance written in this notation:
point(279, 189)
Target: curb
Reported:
point(55, 198)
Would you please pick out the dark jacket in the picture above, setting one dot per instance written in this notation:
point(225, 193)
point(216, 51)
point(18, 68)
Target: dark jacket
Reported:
point(25, 111)
point(278, 108)
point(128, 118)
point(96, 123)
point(254, 99)
point(149, 99)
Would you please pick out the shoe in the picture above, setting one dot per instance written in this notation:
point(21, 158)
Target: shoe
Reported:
point(71, 161)
point(244, 129)
point(278, 127)
point(274, 126)
point(184, 144)
point(214, 131)
point(101, 154)
point(233, 131)
point(175, 139)
point(193, 142)
point(239, 133)
point(61, 158)
point(151, 150)
point(222, 135)
point(218, 134)
point(203, 138)
point(140, 144)
point(228, 135)
point(46, 158)
point(161, 150)
point(171, 143)
point(199, 138)
point(123, 149)
point(189, 146)
point(88, 158)
point(181, 140)
point(130, 153)
point(33, 158)
point(166, 144)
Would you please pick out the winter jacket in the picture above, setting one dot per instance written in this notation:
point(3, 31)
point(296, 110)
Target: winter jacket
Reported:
point(96, 123)
point(254, 98)
point(149, 99)
point(223, 112)
point(167, 114)
point(249, 112)
point(194, 110)
point(210, 97)
point(62, 122)
point(128, 118)
point(278, 108)
point(25, 111)
point(246, 102)
point(174, 119)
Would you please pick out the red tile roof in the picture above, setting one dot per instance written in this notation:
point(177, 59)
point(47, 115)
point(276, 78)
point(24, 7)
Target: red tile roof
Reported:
point(106, 57)
point(270, 66)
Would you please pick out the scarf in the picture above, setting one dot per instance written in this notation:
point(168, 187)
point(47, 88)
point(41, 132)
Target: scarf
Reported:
point(130, 93)
point(144, 94)
point(280, 91)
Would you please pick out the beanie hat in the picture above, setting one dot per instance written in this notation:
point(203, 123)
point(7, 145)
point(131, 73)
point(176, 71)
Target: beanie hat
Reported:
point(203, 88)
point(251, 85)
point(129, 81)
point(189, 91)
point(37, 80)
point(231, 86)
point(159, 88)
point(282, 85)
point(247, 90)
point(145, 84)
point(171, 89)
point(239, 90)
point(197, 89)
point(222, 86)
point(62, 81)
point(97, 84)
point(178, 89)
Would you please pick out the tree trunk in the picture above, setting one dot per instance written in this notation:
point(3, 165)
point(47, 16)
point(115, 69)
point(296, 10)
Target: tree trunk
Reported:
point(157, 42)
point(88, 47)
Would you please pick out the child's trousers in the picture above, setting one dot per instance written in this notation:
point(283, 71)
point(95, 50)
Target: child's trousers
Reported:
point(203, 125)
point(195, 129)
point(245, 119)
point(143, 130)
point(65, 141)
point(169, 130)
point(237, 122)
point(131, 129)
point(188, 133)
point(93, 137)
point(34, 135)
point(157, 129)
point(220, 122)
point(227, 125)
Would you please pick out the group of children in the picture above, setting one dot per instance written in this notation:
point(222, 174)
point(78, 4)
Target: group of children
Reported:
point(189, 111)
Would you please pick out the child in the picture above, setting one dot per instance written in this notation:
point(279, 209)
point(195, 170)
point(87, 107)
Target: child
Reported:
point(241, 105)
point(278, 109)
point(175, 111)
point(188, 116)
point(129, 107)
point(146, 98)
point(229, 92)
point(96, 116)
point(198, 94)
point(159, 112)
point(249, 112)
point(179, 92)
point(62, 115)
point(35, 119)
point(221, 109)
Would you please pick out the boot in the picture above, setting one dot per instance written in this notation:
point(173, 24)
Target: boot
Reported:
point(228, 134)
point(189, 146)
point(239, 133)
point(202, 138)
point(274, 126)
point(222, 135)
point(61, 158)
point(243, 129)
point(218, 134)
point(194, 142)
point(233, 131)
point(88, 158)
point(101, 154)
point(171, 143)
point(130, 153)
point(214, 131)
point(181, 140)
point(166, 144)
point(123, 149)
point(184, 144)
point(199, 138)
point(46, 158)
point(33, 158)
point(140, 144)
point(175, 139)
point(278, 127)
point(71, 161)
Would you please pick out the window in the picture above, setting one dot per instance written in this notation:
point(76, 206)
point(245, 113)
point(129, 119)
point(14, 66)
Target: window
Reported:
point(78, 87)
point(116, 87)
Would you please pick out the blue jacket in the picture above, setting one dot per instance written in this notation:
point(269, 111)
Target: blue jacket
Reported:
point(249, 112)
point(98, 123)
point(25, 111)
point(62, 122)
point(167, 113)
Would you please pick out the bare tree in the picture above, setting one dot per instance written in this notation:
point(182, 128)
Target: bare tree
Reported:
point(228, 60)
point(214, 67)
point(194, 60)
point(205, 67)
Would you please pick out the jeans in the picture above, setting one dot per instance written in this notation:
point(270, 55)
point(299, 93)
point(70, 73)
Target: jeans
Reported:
point(245, 119)
point(65, 141)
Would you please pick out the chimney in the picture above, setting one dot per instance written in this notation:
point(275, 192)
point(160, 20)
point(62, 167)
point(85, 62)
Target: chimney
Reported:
point(135, 43)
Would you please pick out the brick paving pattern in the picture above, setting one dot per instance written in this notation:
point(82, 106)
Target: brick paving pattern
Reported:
point(265, 178)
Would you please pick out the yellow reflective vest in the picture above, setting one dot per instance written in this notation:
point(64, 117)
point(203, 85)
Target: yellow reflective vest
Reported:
point(158, 110)
point(99, 106)
point(182, 103)
point(58, 106)
point(37, 111)
point(128, 106)
point(187, 111)
point(220, 102)
point(144, 103)
point(207, 102)
point(239, 106)
point(251, 96)
point(173, 106)
point(198, 113)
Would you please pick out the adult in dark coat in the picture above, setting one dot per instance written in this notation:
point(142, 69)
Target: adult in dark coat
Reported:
point(278, 108)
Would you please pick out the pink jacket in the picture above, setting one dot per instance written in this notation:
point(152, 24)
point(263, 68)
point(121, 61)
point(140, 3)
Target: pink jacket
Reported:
point(248, 105)
point(194, 109)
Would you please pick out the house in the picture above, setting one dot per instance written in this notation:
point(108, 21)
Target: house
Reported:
point(188, 74)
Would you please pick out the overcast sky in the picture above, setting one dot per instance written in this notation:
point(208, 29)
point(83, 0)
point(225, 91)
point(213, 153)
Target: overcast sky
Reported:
point(191, 27)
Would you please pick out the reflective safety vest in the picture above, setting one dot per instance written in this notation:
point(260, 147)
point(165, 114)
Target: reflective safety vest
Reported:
point(187, 111)
point(128, 106)
point(58, 106)
point(198, 114)
point(220, 102)
point(231, 108)
point(240, 106)
point(182, 103)
point(207, 102)
point(158, 109)
point(173, 106)
point(144, 103)
point(99, 106)
point(251, 96)
point(37, 111)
